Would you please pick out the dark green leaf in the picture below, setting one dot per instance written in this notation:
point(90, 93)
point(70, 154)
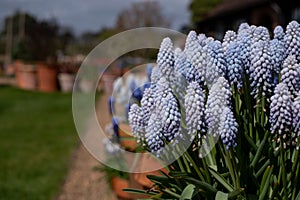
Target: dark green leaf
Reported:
point(137, 191)
point(205, 186)
point(178, 174)
point(235, 193)
point(221, 179)
point(265, 183)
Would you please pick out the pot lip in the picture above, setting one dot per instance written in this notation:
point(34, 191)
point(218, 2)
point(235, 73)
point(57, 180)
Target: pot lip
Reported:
point(119, 178)
point(27, 68)
point(61, 74)
point(43, 64)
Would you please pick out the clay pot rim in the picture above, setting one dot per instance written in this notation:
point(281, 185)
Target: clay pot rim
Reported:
point(43, 64)
point(66, 74)
point(27, 68)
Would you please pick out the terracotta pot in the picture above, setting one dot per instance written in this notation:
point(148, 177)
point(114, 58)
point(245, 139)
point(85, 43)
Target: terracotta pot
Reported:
point(26, 76)
point(47, 77)
point(108, 82)
point(126, 139)
point(10, 70)
point(66, 81)
point(134, 184)
point(118, 184)
point(130, 161)
point(146, 164)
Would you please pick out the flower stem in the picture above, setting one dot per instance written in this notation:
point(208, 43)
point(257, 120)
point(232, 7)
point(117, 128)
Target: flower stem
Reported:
point(190, 159)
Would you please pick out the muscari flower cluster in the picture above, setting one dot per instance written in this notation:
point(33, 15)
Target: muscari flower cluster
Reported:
point(195, 59)
point(195, 109)
point(292, 39)
point(219, 116)
point(261, 68)
point(210, 68)
point(290, 74)
point(278, 50)
point(157, 121)
point(296, 119)
point(281, 113)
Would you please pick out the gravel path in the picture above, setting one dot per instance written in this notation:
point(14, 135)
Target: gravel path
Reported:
point(82, 182)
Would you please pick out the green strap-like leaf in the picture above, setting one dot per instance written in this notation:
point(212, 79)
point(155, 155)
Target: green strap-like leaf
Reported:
point(160, 179)
point(205, 186)
point(188, 192)
point(221, 179)
point(235, 193)
point(298, 196)
point(178, 174)
point(265, 183)
point(137, 191)
point(221, 196)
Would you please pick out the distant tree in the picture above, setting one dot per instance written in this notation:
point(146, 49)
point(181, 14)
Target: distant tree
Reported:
point(66, 37)
point(106, 33)
point(142, 14)
point(40, 39)
point(199, 8)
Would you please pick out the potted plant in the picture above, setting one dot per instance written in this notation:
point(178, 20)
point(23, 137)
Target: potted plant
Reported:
point(118, 180)
point(25, 75)
point(240, 113)
point(66, 76)
point(25, 69)
point(47, 76)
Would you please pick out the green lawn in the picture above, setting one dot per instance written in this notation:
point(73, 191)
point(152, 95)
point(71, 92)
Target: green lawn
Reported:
point(37, 139)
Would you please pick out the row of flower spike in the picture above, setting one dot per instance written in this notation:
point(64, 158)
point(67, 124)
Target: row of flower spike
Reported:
point(195, 86)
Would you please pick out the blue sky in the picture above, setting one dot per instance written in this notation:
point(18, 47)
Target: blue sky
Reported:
point(83, 15)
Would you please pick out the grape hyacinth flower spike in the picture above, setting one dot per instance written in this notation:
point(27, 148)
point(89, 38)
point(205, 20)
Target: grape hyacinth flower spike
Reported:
point(165, 58)
point(281, 114)
point(171, 118)
point(191, 44)
point(216, 65)
point(292, 39)
point(147, 104)
point(244, 38)
point(229, 37)
point(219, 97)
point(296, 121)
point(155, 76)
point(290, 74)
point(136, 121)
point(154, 134)
point(235, 71)
point(195, 110)
point(228, 128)
point(178, 80)
point(260, 34)
point(261, 69)
point(279, 33)
point(196, 59)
